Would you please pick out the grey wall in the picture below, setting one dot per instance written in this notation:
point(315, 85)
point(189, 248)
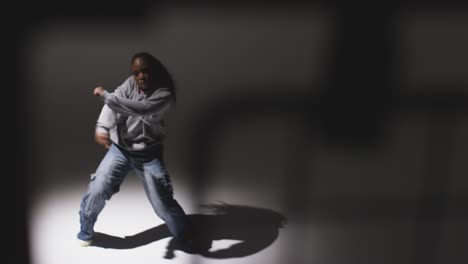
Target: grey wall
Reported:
point(347, 116)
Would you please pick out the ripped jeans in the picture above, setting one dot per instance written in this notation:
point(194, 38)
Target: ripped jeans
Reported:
point(113, 169)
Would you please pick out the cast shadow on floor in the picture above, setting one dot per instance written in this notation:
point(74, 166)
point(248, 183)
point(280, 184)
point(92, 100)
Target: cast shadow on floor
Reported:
point(256, 228)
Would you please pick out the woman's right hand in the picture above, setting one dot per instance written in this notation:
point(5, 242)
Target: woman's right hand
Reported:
point(103, 139)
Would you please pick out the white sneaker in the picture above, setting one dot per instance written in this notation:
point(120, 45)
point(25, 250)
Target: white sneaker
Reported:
point(86, 243)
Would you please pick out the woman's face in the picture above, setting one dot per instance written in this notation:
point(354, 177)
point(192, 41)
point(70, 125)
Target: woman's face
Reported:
point(142, 73)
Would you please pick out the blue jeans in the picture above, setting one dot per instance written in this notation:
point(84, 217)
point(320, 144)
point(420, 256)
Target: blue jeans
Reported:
point(113, 169)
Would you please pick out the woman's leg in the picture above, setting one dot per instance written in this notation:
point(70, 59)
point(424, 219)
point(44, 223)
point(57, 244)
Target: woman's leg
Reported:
point(104, 183)
point(159, 190)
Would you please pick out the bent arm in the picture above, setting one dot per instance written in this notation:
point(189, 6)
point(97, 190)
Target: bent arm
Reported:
point(158, 103)
point(106, 120)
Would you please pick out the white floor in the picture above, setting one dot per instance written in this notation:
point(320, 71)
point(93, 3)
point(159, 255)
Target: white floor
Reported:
point(54, 223)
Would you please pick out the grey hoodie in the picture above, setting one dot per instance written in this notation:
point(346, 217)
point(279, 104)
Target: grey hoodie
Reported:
point(134, 120)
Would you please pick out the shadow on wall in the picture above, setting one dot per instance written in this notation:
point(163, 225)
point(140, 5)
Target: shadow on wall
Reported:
point(257, 228)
